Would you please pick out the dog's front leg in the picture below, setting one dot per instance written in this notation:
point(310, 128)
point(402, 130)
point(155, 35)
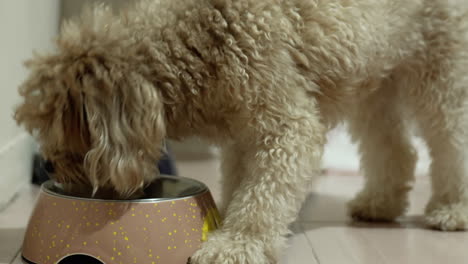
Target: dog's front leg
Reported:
point(281, 157)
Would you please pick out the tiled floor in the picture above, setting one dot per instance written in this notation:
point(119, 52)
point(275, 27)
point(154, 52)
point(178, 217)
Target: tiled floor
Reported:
point(323, 233)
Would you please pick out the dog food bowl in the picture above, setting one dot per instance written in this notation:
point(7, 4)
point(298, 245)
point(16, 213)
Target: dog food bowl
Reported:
point(166, 226)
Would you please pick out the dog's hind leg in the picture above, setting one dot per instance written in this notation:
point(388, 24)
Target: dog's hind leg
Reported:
point(442, 112)
point(387, 157)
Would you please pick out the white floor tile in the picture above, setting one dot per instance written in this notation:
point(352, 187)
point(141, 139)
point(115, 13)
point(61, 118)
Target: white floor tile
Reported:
point(16, 215)
point(13, 221)
point(18, 260)
point(299, 251)
point(419, 245)
point(10, 243)
point(336, 243)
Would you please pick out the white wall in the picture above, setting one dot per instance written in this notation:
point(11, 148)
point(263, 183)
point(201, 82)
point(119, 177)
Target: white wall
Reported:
point(25, 25)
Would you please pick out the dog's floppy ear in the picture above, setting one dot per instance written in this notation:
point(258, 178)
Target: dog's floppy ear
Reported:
point(126, 125)
point(50, 108)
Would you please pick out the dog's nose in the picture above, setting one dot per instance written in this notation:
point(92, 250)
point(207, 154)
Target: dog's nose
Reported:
point(48, 166)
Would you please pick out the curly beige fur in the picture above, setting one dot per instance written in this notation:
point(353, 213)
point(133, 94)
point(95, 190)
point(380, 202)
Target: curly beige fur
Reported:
point(265, 80)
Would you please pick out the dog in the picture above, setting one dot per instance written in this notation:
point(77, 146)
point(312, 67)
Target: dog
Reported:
point(265, 80)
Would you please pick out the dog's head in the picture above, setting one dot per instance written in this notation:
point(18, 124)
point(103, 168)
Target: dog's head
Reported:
point(98, 120)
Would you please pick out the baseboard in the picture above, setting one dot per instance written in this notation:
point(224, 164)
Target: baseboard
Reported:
point(16, 167)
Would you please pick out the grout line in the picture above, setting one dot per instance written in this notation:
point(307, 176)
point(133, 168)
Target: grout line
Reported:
point(309, 242)
point(15, 257)
point(376, 249)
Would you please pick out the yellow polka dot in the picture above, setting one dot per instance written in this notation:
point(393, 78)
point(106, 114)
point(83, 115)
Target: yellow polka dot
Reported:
point(119, 253)
point(133, 214)
point(112, 258)
point(128, 246)
point(174, 214)
point(170, 233)
point(68, 245)
point(68, 226)
point(126, 238)
point(115, 233)
point(85, 243)
point(169, 248)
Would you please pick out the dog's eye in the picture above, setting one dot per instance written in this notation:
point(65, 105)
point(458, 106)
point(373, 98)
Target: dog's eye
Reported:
point(48, 166)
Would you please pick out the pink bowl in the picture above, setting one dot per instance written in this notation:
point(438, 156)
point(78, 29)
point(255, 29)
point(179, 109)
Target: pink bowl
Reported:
point(166, 227)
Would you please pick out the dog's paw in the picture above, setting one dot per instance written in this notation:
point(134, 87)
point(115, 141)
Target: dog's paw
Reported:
point(447, 217)
point(222, 248)
point(373, 207)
